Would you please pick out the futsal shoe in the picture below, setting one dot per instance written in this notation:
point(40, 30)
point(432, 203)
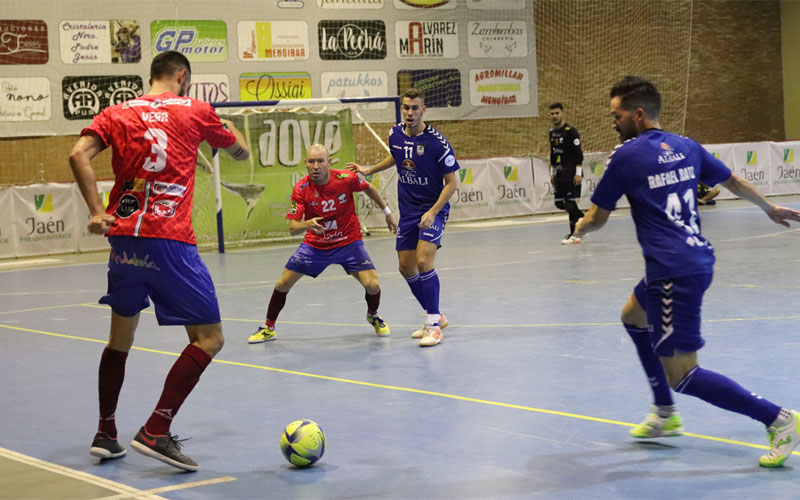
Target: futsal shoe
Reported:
point(432, 336)
point(262, 334)
point(570, 240)
point(655, 426)
point(380, 326)
point(782, 441)
point(105, 447)
point(166, 448)
point(418, 334)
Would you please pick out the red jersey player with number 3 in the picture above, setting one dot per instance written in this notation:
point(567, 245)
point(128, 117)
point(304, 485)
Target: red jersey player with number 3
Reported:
point(154, 139)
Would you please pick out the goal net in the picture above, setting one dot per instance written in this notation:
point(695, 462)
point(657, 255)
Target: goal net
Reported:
point(243, 203)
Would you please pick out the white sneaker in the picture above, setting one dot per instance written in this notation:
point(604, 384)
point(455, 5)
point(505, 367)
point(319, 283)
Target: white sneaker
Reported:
point(782, 441)
point(443, 323)
point(654, 426)
point(570, 240)
point(431, 337)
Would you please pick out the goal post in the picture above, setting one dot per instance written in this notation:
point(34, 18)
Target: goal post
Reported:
point(256, 193)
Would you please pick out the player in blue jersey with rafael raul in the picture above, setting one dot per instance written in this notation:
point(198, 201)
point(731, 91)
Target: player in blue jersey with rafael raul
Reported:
point(659, 172)
point(426, 180)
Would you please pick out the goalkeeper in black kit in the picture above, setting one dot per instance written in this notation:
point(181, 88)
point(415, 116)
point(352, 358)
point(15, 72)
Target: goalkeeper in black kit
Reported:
point(566, 174)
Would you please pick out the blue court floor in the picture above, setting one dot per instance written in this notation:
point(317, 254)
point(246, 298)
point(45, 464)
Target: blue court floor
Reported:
point(530, 395)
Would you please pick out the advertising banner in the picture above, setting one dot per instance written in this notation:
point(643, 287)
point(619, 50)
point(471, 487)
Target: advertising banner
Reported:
point(473, 198)
point(8, 239)
point(512, 183)
point(44, 219)
point(751, 161)
point(785, 166)
point(23, 42)
point(89, 241)
point(724, 153)
point(256, 193)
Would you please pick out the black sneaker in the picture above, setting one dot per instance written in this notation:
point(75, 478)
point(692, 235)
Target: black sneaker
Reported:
point(105, 447)
point(166, 448)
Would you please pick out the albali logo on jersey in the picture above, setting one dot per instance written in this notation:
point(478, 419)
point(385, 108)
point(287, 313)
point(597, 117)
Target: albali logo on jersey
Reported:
point(466, 195)
point(199, 41)
point(23, 42)
point(499, 87)
point(362, 39)
point(497, 39)
point(426, 39)
point(85, 96)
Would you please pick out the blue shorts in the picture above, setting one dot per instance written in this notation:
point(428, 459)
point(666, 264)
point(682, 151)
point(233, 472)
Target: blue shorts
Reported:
point(169, 272)
point(409, 233)
point(312, 261)
point(673, 312)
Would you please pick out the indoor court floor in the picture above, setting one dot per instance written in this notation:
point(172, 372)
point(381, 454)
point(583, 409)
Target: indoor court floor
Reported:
point(530, 395)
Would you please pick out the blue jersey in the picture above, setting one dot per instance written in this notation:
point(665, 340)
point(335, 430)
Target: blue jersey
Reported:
point(658, 172)
point(422, 162)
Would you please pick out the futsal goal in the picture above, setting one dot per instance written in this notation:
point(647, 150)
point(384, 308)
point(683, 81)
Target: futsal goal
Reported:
point(245, 203)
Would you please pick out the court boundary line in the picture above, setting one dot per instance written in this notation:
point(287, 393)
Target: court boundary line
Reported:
point(405, 389)
point(120, 488)
point(174, 487)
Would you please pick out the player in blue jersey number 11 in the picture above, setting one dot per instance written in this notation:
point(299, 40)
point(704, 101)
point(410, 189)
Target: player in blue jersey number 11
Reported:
point(426, 180)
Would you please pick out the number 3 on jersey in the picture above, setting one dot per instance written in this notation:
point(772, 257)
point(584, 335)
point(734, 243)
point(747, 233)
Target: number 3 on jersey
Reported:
point(674, 212)
point(158, 148)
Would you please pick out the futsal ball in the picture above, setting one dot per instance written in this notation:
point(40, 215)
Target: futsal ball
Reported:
point(302, 443)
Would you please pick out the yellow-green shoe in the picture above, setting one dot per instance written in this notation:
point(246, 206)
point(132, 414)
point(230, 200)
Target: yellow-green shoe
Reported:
point(782, 441)
point(654, 426)
point(262, 334)
point(380, 326)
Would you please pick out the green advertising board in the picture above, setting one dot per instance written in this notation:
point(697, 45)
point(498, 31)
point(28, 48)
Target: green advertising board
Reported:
point(256, 193)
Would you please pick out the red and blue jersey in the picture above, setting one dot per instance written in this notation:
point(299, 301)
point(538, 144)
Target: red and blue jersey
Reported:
point(658, 172)
point(334, 203)
point(154, 141)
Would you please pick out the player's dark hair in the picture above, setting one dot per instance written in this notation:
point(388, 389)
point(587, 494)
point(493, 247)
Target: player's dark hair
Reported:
point(167, 63)
point(413, 93)
point(637, 92)
point(556, 105)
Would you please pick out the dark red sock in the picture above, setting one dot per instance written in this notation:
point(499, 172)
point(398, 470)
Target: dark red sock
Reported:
point(373, 301)
point(110, 377)
point(181, 379)
point(276, 303)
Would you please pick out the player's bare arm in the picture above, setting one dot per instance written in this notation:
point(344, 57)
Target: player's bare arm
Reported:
point(239, 151)
point(298, 227)
point(447, 192)
point(594, 219)
point(375, 196)
point(378, 167)
point(743, 188)
point(80, 161)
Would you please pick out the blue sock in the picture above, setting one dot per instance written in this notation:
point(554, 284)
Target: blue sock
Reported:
point(725, 393)
point(416, 288)
point(662, 394)
point(430, 287)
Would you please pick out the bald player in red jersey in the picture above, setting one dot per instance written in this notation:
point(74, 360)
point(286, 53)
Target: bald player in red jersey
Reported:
point(154, 140)
point(322, 207)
